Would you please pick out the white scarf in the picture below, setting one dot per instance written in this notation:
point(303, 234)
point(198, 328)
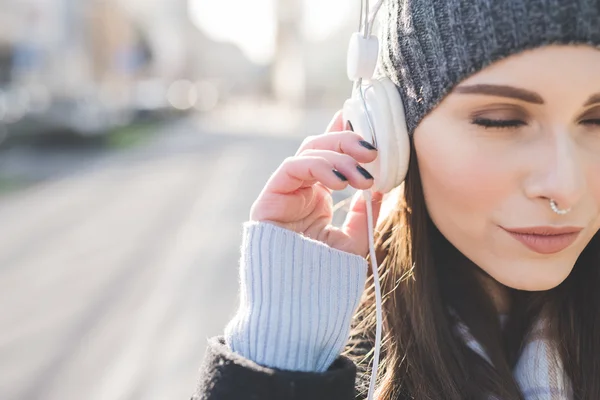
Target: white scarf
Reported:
point(539, 370)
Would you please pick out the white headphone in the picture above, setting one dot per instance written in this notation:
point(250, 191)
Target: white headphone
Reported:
point(375, 108)
point(375, 112)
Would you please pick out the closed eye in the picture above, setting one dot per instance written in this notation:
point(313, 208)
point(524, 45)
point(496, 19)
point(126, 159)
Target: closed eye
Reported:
point(498, 123)
point(595, 121)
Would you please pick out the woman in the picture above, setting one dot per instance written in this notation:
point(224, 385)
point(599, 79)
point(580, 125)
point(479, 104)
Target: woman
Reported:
point(490, 258)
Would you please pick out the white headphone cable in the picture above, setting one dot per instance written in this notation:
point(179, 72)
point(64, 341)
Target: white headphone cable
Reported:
point(372, 16)
point(378, 307)
point(369, 18)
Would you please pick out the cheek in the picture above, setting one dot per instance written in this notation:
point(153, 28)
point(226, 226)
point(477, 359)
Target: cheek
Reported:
point(594, 182)
point(467, 187)
point(459, 179)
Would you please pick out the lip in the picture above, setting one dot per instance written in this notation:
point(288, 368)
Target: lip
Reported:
point(545, 239)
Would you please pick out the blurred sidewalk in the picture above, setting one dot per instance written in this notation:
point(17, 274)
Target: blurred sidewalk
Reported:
point(110, 268)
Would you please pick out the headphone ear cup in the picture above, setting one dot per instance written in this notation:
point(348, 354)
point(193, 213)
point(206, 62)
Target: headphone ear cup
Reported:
point(384, 106)
point(400, 139)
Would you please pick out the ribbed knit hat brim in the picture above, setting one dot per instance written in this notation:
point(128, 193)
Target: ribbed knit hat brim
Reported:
point(430, 46)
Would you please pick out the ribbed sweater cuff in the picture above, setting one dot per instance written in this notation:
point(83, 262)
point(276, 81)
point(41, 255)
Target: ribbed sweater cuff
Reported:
point(297, 298)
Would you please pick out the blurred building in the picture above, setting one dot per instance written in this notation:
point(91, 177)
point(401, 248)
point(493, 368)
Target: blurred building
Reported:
point(182, 51)
point(325, 64)
point(87, 65)
point(311, 72)
point(69, 64)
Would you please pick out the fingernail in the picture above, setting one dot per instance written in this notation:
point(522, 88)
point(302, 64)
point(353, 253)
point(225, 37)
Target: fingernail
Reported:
point(350, 126)
point(340, 175)
point(364, 172)
point(367, 145)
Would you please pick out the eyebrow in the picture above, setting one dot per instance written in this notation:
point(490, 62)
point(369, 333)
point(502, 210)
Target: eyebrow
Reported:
point(595, 98)
point(503, 91)
point(515, 93)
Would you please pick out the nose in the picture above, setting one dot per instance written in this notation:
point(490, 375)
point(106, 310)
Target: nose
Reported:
point(560, 174)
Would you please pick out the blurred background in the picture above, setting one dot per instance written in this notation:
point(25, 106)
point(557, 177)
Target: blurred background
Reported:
point(134, 137)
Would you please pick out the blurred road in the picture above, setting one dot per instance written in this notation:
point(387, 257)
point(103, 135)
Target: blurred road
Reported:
point(117, 267)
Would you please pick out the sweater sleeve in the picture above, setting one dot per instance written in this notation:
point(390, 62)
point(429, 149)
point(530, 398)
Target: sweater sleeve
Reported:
point(297, 299)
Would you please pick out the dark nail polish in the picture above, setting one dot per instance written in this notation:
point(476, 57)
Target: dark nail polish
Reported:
point(340, 175)
point(364, 172)
point(367, 145)
point(350, 126)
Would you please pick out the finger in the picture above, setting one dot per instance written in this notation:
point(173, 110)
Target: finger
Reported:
point(300, 172)
point(337, 122)
point(358, 177)
point(345, 142)
point(356, 223)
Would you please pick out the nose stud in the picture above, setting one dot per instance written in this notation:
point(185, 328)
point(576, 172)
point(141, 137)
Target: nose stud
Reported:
point(557, 210)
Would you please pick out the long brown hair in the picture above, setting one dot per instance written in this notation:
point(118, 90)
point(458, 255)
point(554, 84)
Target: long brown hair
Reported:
point(423, 276)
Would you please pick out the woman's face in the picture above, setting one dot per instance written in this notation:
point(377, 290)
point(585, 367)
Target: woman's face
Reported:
point(496, 150)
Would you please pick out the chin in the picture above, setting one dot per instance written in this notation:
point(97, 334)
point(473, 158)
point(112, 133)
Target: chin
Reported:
point(536, 279)
point(534, 286)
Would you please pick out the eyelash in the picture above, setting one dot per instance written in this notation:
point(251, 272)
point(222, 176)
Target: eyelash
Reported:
point(498, 123)
point(515, 123)
point(591, 122)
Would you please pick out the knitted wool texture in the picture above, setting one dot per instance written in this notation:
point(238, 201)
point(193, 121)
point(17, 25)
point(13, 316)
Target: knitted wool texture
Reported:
point(429, 46)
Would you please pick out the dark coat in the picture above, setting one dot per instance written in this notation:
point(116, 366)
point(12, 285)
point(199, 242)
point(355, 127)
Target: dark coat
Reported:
point(225, 375)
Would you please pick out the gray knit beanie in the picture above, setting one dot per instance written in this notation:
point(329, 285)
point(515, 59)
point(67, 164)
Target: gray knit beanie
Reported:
point(430, 46)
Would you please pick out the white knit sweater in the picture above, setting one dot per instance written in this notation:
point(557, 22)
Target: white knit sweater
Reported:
point(299, 295)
